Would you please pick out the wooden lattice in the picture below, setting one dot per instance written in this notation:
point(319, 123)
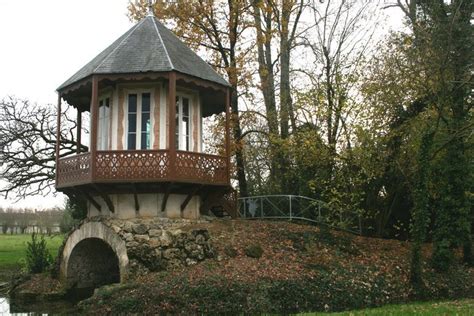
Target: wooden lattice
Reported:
point(132, 165)
point(142, 165)
point(207, 168)
point(74, 170)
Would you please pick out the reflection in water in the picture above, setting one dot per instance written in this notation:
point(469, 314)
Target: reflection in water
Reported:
point(54, 308)
point(4, 306)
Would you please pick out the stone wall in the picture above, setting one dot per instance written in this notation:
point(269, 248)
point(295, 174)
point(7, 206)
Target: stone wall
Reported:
point(140, 245)
point(160, 243)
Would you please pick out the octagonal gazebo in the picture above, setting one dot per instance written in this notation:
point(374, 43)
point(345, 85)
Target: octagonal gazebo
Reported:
point(147, 94)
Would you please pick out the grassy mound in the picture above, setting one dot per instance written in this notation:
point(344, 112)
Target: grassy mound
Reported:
point(297, 268)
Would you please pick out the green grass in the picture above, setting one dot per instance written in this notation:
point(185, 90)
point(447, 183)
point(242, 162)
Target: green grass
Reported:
point(457, 307)
point(13, 250)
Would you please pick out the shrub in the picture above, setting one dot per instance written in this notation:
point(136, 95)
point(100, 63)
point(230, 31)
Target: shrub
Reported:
point(254, 251)
point(38, 258)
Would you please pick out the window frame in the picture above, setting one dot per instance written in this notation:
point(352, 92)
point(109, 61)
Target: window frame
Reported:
point(104, 133)
point(179, 115)
point(139, 115)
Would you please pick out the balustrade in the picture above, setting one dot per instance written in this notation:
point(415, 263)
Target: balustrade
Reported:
point(141, 166)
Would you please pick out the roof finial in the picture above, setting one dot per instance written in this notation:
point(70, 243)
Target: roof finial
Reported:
point(150, 8)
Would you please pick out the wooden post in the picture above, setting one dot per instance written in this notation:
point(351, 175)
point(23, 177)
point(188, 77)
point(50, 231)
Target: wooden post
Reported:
point(58, 137)
point(227, 132)
point(94, 123)
point(172, 121)
point(79, 131)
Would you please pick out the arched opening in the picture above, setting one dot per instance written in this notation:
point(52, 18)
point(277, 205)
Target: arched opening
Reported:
point(92, 263)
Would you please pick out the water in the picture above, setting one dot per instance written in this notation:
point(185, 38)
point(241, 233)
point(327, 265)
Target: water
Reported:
point(45, 308)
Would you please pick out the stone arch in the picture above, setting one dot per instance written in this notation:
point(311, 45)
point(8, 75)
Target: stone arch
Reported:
point(94, 255)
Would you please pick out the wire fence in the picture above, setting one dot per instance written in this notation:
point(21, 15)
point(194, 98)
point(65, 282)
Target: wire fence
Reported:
point(296, 207)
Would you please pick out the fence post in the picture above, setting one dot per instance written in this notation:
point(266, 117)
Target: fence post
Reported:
point(291, 211)
point(261, 207)
point(319, 212)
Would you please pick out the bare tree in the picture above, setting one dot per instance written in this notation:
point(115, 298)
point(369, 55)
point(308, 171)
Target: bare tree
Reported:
point(343, 35)
point(27, 146)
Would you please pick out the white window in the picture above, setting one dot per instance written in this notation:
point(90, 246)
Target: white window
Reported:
point(183, 123)
point(104, 124)
point(139, 121)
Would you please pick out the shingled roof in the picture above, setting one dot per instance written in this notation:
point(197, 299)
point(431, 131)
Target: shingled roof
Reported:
point(147, 47)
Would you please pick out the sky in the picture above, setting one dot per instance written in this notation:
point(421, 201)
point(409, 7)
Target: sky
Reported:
point(43, 43)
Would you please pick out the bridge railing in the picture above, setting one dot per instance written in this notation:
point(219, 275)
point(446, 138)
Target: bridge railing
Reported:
point(296, 207)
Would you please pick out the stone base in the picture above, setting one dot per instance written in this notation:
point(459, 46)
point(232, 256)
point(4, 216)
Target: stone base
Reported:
point(101, 247)
point(150, 206)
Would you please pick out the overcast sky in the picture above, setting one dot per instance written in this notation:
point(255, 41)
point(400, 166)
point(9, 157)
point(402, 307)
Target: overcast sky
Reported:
point(43, 43)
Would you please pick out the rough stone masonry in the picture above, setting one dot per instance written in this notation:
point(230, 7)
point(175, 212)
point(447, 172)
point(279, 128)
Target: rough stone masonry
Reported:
point(140, 245)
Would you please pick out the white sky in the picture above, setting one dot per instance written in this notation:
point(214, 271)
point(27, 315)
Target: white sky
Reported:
point(43, 43)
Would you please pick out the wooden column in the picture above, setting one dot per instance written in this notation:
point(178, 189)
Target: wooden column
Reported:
point(227, 132)
point(79, 131)
point(58, 137)
point(172, 121)
point(94, 123)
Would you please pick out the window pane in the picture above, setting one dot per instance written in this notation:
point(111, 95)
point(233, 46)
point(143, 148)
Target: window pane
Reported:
point(132, 103)
point(145, 102)
point(132, 140)
point(145, 141)
point(107, 102)
point(185, 107)
point(132, 123)
point(177, 124)
point(145, 121)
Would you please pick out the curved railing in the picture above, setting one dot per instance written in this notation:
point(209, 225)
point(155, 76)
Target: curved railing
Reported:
point(296, 207)
point(116, 166)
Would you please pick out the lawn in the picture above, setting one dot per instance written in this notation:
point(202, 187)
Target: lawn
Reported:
point(456, 307)
point(13, 250)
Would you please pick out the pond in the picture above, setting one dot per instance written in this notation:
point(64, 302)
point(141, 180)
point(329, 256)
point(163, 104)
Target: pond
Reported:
point(60, 307)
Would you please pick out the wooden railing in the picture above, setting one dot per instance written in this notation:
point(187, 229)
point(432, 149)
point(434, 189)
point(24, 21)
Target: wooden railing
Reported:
point(142, 166)
point(208, 169)
point(74, 170)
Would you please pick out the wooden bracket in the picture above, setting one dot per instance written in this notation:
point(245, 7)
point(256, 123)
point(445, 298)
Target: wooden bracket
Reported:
point(106, 198)
point(90, 199)
point(189, 197)
point(166, 196)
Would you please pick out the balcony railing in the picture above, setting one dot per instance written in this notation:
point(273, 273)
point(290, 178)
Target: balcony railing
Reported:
point(118, 166)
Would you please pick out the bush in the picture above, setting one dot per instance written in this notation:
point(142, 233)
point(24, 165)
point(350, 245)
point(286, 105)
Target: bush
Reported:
point(38, 258)
point(254, 251)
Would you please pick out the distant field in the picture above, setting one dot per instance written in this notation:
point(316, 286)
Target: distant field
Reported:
point(457, 307)
point(13, 250)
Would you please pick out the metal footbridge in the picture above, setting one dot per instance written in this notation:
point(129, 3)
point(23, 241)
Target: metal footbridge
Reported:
point(299, 208)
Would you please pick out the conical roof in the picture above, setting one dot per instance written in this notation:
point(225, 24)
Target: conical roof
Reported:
point(147, 47)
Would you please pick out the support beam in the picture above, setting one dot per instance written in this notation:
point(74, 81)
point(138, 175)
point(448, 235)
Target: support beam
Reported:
point(135, 196)
point(165, 197)
point(79, 131)
point(94, 123)
point(189, 197)
point(172, 122)
point(105, 197)
point(90, 199)
point(58, 137)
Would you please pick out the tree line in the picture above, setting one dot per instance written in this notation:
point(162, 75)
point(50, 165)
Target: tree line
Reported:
point(27, 220)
